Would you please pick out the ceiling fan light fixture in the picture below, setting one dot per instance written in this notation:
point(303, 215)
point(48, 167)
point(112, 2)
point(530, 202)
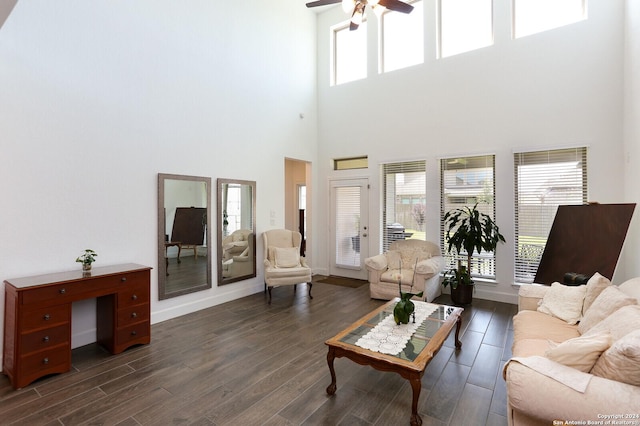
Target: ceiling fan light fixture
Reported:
point(348, 6)
point(378, 10)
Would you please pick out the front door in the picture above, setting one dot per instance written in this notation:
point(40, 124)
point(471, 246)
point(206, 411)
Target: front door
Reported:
point(349, 228)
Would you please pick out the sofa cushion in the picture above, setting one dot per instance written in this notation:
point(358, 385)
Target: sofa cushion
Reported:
point(595, 285)
point(610, 300)
point(530, 347)
point(581, 352)
point(631, 288)
point(536, 325)
point(564, 302)
point(621, 362)
point(620, 323)
point(392, 275)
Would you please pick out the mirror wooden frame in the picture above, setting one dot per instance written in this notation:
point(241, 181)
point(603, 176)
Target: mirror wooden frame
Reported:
point(219, 223)
point(163, 291)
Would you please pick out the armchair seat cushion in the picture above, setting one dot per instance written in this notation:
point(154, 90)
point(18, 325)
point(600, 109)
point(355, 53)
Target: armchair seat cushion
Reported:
point(416, 263)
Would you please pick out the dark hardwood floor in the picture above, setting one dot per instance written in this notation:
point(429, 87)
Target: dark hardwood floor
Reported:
point(249, 363)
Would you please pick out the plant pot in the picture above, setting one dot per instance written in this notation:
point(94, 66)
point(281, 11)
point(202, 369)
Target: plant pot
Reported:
point(462, 294)
point(86, 267)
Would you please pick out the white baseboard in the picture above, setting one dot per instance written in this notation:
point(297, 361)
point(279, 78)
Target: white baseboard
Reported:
point(203, 303)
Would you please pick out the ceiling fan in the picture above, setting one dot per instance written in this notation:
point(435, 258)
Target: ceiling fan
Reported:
point(356, 8)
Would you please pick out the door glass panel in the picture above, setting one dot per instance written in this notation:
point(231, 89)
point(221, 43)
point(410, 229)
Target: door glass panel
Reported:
point(347, 222)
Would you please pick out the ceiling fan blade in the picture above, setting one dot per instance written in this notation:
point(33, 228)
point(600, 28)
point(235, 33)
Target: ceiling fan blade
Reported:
point(396, 5)
point(322, 2)
point(357, 16)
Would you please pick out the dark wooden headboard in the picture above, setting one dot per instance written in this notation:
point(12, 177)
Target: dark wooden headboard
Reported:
point(189, 225)
point(584, 239)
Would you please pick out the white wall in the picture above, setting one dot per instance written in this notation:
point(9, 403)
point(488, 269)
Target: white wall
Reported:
point(632, 131)
point(97, 98)
point(559, 88)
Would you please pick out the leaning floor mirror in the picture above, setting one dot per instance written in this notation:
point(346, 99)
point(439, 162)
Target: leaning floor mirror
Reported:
point(236, 230)
point(184, 236)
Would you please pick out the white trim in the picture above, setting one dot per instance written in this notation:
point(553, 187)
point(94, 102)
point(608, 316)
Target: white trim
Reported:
point(548, 148)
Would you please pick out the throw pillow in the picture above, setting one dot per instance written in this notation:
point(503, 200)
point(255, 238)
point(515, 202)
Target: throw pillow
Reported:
point(620, 323)
point(621, 362)
point(610, 300)
point(596, 284)
point(564, 302)
point(287, 257)
point(581, 352)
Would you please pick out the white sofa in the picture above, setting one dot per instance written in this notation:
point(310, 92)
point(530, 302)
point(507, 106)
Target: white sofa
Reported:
point(384, 270)
point(575, 359)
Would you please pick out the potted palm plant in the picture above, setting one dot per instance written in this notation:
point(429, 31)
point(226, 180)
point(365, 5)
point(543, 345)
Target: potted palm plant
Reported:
point(467, 230)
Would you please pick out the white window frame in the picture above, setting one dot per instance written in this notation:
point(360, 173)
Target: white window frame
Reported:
point(444, 53)
point(417, 44)
point(389, 217)
point(545, 25)
point(548, 184)
point(483, 265)
point(361, 32)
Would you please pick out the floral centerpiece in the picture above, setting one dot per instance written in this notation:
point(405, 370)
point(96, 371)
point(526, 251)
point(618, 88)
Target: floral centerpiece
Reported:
point(405, 307)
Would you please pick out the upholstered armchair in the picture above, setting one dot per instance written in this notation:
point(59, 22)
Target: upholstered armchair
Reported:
point(283, 264)
point(384, 270)
point(235, 243)
point(240, 264)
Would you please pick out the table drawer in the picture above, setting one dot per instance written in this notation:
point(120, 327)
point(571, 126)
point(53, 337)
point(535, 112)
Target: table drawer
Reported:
point(133, 295)
point(48, 361)
point(33, 319)
point(136, 333)
point(133, 314)
point(44, 339)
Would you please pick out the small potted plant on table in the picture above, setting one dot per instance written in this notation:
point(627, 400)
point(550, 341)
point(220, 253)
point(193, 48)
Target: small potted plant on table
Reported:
point(87, 258)
point(467, 230)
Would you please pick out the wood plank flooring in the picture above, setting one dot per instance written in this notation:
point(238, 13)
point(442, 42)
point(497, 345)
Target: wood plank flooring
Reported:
point(249, 363)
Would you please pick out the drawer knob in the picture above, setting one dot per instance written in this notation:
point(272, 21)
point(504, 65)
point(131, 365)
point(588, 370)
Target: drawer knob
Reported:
point(134, 333)
point(123, 279)
point(45, 361)
point(134, 297)
point(46, 317)
point(63, 291)
point(134, 315)
point(45, 339)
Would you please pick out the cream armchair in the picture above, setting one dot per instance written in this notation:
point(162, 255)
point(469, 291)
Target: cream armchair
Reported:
point(236, 243)
point(384, 270)
point(283, 264)
point(241, 264)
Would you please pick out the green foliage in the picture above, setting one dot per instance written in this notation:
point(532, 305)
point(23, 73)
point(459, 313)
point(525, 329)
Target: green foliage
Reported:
point(454, 277)
point(469, 231)
point(404, 308)
point(88, 257)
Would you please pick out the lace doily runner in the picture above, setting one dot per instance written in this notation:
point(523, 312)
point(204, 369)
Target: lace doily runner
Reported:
point(390, 338)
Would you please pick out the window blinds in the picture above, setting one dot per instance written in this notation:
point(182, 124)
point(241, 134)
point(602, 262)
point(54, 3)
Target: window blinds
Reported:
point(404, 187)
point(465, 181)
point(543, 181)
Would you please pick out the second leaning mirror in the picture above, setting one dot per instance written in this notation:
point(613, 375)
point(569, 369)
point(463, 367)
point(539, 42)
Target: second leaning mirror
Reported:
point(236, 230)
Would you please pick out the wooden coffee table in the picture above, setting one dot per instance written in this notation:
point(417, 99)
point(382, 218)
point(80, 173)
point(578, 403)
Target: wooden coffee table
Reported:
point(411, 362)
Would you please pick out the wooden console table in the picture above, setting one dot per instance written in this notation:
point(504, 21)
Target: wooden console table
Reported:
point(37, 317)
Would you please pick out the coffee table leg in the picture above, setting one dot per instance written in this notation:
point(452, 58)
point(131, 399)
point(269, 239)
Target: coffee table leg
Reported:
point(416, 386)
point(458, 342)
point(331, 389)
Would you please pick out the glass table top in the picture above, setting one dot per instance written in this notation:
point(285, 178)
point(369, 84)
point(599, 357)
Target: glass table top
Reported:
point(418, 341)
